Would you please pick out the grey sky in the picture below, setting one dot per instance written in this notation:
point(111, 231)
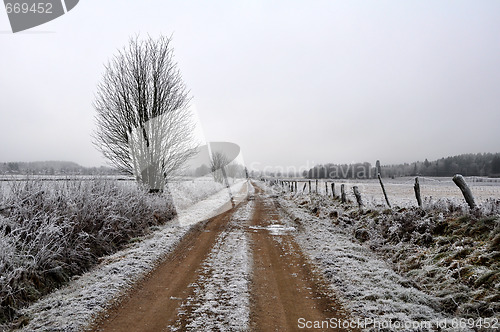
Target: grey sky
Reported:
point(291, 82)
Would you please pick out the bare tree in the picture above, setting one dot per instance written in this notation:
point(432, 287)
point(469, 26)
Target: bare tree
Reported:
point(235, 170)
point(144, 126)
point(218, 162)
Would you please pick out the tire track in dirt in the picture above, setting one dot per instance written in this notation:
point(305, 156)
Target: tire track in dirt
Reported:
point(221, 292)
point(153, 304)
point(284, 286)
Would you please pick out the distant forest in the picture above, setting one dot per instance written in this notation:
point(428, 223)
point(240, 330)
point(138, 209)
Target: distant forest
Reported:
point(52, 168)
point(480, 164)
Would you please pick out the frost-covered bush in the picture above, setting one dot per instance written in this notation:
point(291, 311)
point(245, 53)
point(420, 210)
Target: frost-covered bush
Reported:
point(50, 232)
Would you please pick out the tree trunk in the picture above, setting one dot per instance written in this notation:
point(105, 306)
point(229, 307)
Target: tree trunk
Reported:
point(155, 191)
point(227, 186)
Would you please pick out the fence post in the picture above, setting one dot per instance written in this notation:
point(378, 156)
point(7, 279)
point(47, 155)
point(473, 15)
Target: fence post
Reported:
point(383, 190)
point(357, 195)
point(416, 187)
point(342, 193)
point(326, 188)
point(309, 186)
point(333, 189)
point(460, 182)
point(316, 186)
point(304, 189)
point(295, 186)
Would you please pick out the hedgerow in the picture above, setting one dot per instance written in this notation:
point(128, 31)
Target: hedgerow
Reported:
point(52, 232)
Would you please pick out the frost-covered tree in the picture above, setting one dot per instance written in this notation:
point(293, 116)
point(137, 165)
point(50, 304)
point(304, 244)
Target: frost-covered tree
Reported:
point(235, 170)
point(218, 162)
point(144, 126)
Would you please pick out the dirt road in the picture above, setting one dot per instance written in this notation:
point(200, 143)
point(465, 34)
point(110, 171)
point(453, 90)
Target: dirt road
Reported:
point(284, 286)
point(240, 270)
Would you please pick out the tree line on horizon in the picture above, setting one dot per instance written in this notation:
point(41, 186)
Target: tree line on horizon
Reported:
point(480, 164)
point(53, 168)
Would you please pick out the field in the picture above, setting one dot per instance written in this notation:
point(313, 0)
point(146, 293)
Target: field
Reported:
point(400, 190)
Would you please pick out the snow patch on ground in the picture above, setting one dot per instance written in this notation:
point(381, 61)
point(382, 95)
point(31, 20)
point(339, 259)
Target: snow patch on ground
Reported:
point(221, 294)
point(187, 192)
point(74, 306)
point(214, 205)
point(275, 229)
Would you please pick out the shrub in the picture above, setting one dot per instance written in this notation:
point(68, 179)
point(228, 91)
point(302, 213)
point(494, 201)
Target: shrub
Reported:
point(50, 232)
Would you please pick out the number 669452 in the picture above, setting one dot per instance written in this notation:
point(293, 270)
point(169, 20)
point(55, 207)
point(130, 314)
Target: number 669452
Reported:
point(35, 8)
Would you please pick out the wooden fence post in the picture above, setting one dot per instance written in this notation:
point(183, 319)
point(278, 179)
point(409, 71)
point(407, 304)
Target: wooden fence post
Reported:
point(309, 186)
point(357, 195)
point(304, 189)
point(295, 186)
point(316, 186)
point(383, 190)
point(342, 193)
point(333, 189)
point(416, 187)
point(460, 182)
point(326, 188)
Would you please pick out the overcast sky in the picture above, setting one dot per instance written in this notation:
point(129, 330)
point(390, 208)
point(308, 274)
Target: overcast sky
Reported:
point(292, 82)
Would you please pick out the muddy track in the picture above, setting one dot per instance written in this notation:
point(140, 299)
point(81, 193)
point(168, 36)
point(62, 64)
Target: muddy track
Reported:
point(152, 305)
point(283, 289)
point(284, 286)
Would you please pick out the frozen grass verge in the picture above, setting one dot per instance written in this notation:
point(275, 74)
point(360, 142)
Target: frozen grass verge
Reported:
point(49, 233)
point(445, 251)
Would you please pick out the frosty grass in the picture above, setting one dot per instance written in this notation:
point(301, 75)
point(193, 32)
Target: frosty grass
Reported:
point(74, 306)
